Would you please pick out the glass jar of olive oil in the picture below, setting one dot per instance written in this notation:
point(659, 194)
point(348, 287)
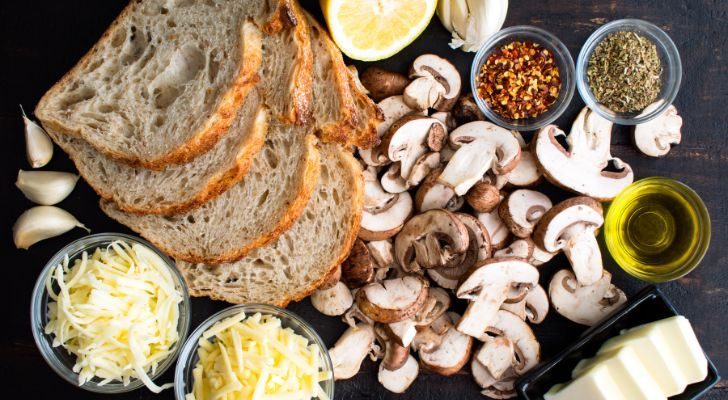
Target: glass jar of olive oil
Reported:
point(657, 229)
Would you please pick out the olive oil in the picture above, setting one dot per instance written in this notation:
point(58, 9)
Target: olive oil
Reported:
point(657, 229)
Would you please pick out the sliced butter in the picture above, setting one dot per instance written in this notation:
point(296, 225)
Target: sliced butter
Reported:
point(626, 368)
point(598, 384)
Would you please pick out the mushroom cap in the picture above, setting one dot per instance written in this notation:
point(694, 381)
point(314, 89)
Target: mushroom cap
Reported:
point(466, 110)
point(479, 246)
point(483, 146)
point(581, 168)
point(452, 354)
point(537, 305)
point(527, 348)
point(393, 300)
point(351, 349)
point(406, 140)
point(387, 222)
point(357, 270)
point(432, 239)
point(586, 305)
point(653, 138)
point(483, 197)
point(399, 380)
point(382, 83)
point(334, 301)
point(522, 209)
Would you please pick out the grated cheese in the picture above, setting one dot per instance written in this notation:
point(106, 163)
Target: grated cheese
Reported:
point(256, 358)
point(117, 312)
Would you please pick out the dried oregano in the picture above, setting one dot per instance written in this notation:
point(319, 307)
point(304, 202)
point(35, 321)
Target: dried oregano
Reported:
point(624, 72)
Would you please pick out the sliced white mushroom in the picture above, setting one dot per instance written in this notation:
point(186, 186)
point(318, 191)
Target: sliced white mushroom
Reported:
point(522, 209)
point(354, 315)
point(392, 181)
point(393, 108)
point(525, 345)
point(437, 303)
point(479, 247)
point(399, 380)
point(350, 350)
point(446, 118)
point(487, 288)
point(333, 301)
point(526, 174)
point(386, 222)
point(375, 198)
point(423, 166)
point(432, 195)
point(483, 146)
point(435, 84)
point(407, 139)
point(570, 226)
point(540, 256)
point(654, 138)
point(521, 248)
point(537, 305)
point(452, 354)
point(581, 169)
point(435, 238)
point(393, 300)
point(498, 231)
point(497, 355)
point(586, 305)
point(382, 252)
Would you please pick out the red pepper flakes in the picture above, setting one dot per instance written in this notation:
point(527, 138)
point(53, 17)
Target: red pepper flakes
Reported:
point(519, 80)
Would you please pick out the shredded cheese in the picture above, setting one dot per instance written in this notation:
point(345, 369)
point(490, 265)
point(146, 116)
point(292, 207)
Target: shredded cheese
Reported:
point(117, 312)
point(256, 358)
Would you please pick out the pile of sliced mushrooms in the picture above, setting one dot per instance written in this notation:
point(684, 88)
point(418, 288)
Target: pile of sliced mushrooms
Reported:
point(449, 209)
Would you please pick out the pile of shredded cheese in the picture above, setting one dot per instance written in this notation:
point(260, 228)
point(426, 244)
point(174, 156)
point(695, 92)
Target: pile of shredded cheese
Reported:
point(117, 312)
point(255, 358)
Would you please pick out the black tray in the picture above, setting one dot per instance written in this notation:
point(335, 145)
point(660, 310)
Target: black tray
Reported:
point(647, 306)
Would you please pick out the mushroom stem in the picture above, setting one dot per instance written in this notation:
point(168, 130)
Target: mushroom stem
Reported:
point(582, 250)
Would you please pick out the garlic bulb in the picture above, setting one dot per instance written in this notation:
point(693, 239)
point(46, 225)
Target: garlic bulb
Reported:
point(42, 222)
point(46, 187)
point(472, 22)
point(38, 146)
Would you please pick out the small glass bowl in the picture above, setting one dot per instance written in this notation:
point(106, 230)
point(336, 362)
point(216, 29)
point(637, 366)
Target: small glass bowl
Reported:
point(60, 360)
point(183, 380)
point(615, 224)
point(671, 70)
point(563, 60)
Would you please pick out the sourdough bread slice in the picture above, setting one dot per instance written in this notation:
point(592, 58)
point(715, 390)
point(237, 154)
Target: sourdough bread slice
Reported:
point(334, 108)
point(293, 266)
point(250, 214)
point(368, 114)
point(163, 83)
point(177, 188)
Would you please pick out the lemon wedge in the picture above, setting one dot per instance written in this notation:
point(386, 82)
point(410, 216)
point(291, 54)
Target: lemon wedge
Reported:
point(370, 30)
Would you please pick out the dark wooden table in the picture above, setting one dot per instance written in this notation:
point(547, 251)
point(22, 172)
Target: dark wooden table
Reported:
point(41, 40)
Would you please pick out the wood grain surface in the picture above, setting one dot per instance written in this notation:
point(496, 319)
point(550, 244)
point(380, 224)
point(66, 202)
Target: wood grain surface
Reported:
point(41, 40)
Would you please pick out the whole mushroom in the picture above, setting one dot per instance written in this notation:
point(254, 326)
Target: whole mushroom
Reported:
point(571, 226)
point(382, 83)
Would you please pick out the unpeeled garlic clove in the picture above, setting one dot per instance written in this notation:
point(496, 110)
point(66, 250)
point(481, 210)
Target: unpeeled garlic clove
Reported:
point(42, 222)
point(38, 146)
point(46, 187)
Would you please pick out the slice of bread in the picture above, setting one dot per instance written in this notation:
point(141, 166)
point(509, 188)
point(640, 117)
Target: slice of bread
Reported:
point(250, 214)
point(163, 84)
point(287, 70)
point(368, 114)
point(178, 188)
point(334, 110)
point(292, 267)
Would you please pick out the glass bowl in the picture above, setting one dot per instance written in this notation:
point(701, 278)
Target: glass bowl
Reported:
point(621, 211)
point(183, 380)
point(60, 360)
point(671, 70)
point(563, 60)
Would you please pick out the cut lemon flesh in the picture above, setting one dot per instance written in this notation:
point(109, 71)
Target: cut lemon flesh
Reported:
point(370, 30)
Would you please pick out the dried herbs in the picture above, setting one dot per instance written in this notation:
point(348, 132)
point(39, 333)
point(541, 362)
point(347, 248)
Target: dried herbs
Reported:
point(624, 72)
point(519, 80)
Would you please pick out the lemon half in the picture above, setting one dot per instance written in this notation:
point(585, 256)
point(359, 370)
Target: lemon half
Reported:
point(370, 30)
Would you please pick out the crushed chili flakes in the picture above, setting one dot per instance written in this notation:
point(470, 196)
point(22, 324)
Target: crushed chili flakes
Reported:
point(519, 80)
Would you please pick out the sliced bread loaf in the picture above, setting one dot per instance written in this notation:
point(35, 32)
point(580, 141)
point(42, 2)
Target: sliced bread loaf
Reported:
point(368, 114)
point(177, 188)
point(250, 214)
point(163, 83)
point(334, 108)
point(293, 266)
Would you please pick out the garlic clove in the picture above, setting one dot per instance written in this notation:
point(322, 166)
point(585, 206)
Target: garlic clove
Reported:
point(42, 222)
point(46, 187)
point(38, 146)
